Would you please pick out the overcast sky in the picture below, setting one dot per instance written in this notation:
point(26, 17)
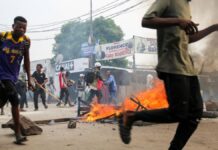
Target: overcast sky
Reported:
point(39, 12)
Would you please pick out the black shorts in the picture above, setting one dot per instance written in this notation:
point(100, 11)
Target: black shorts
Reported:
point(183, 94)
point(8, 92)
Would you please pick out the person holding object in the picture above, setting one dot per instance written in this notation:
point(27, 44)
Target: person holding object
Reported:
point(95, 84)
point(14, 46)
point(40, 80)
point(175, 30)
point(63, 87)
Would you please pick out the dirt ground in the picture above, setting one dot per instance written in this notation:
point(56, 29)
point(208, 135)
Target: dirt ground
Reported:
point(98, 136)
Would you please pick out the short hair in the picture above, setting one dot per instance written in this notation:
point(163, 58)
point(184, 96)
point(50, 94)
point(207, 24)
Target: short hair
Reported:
point(62, 69)
point(20, 18)
point(40, 65)
point(67, 73)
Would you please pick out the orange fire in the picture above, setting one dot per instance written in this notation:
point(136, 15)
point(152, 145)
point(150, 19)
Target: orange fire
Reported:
point(154, 98)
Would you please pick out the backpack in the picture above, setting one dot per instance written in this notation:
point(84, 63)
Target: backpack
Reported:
point(90, 77)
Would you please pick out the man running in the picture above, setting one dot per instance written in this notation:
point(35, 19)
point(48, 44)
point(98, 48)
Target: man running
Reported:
point(14, 46)
point(175, 30)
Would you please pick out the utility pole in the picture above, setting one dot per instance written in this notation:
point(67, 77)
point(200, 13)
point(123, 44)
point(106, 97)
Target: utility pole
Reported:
point(91, 38)
point(133, 56)
point(91, 26)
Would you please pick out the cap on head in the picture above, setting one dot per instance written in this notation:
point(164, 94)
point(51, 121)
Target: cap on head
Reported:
point(97, 64)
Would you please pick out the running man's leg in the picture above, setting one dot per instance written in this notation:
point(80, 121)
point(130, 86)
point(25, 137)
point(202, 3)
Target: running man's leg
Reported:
point(187, 128)
point(178, 95)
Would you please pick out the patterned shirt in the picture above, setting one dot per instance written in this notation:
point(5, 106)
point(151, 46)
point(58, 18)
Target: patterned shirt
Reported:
point(11, 55)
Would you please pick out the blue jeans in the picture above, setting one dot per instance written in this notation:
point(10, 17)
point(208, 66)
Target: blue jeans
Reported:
point(113, 97)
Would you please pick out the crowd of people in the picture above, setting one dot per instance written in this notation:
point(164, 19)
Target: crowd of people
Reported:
point(45, 89)
point(175, 30)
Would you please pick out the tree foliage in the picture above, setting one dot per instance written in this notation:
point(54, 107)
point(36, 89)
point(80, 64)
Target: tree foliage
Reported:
point(74, 33)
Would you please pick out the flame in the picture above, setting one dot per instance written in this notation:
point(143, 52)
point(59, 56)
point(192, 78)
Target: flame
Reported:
point(154, 98)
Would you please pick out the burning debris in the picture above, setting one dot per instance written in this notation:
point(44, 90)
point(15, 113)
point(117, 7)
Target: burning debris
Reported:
point(154, 98)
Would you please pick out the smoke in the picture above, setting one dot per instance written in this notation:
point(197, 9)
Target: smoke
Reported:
point(205, 52)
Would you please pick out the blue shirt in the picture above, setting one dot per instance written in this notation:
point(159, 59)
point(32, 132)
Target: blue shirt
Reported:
point(112, 86)
point(11, 56)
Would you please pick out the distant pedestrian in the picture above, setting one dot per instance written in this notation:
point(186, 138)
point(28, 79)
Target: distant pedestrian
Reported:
point(81, 85)
point(51, 88)
point(149, 81)
point(63, 82)
point(112, 87)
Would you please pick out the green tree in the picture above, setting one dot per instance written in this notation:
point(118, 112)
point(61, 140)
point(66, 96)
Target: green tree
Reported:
point(74, 33)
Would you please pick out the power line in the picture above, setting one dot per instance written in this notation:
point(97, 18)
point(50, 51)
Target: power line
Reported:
point(40, 26)
point(75, 18)
point(113, 15)
point(43, 39)
point(95, 14)
point(125, 10)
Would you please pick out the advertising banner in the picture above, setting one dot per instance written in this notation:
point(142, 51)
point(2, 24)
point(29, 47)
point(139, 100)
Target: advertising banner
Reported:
point(75, 65)
point(114, 50)
point(145, 45)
